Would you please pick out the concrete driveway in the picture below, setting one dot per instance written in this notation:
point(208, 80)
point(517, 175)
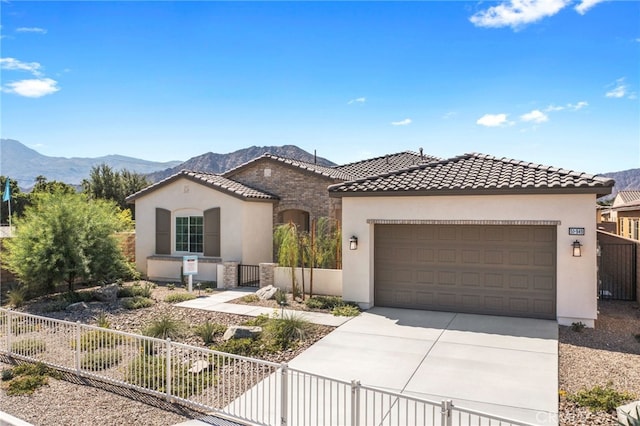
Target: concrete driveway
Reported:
point(500, 365)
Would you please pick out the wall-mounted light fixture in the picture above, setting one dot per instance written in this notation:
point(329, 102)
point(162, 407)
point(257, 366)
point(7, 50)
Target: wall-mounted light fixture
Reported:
point(353, 243)
point(577, 248)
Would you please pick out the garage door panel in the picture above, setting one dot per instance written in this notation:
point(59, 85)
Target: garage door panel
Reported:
point(498, 270)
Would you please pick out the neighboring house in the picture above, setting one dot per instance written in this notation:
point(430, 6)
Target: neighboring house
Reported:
point(475, 234)
point(231, 217)
point(625, 213)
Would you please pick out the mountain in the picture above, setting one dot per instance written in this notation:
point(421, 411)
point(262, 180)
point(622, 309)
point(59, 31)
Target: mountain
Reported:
point(625, 179)
point(219, 163)
point(24, 164)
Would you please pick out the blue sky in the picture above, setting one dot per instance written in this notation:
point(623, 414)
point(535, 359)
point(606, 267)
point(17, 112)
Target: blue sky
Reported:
point(553, 82)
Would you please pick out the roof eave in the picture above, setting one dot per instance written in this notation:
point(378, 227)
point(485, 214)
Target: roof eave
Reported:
point(599, 192)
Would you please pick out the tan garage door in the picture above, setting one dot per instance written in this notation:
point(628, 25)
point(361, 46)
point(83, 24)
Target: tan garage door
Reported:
point(484, 269)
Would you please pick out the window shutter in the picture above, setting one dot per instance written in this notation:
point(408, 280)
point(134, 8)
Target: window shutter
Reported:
point(163, 231)
point(212, 232)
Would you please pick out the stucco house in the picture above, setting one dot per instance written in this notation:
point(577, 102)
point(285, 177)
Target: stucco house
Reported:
point(230, 217)
point(624, 212)
point(476, 234)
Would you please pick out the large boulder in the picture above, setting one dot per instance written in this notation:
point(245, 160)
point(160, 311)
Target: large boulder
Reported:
point(629, 414)
point(76, 307)
point(266, 293)
point(241, 332)
point(108, 293)
point(199, 366)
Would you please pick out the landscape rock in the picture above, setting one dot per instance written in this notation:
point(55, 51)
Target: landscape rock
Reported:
point(108, 293)
point(199, 366)
point(629, 414)
point(75, 307)
point(241, 332)
point(266, 293)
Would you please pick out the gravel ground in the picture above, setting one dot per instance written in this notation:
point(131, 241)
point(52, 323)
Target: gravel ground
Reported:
point(74, 401)
point(610, 353)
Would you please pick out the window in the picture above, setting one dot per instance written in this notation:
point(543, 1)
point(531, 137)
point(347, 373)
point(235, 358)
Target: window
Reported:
point(189, 234)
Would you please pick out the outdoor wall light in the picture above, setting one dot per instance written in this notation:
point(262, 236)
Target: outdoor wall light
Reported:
point(577, 248)
point(353, 243)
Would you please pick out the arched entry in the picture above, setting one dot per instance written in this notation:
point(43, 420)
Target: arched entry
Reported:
point(299, 217)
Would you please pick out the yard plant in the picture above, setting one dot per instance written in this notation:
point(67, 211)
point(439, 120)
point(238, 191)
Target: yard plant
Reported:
point(601, 398)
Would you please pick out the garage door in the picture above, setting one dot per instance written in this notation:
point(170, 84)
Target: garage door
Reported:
point(484, 269)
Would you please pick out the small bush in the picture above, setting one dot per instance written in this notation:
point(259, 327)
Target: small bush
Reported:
point(25, 385)
point(250, 298)
point(324, 302)
point(7, 374)
point(101, 360)
point(78, 296)
point(55, 306)
point(136, 302)
point(97, 339)
point(282, 333)
point(171, 286)
point(346, 311)
point(243, 347)
point(102, 320)
point(136, 290)
point(179, 297)
point(281, 298)
point(577, 326)
point(208, 330)
point(165, 327)
point(208, 290)
point(600, 398)
point(17, 296)
point(259, 321)
point(28, 347)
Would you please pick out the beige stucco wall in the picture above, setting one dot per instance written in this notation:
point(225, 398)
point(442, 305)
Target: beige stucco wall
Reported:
point(245, 226)
point(326, 282)
point(576, 276)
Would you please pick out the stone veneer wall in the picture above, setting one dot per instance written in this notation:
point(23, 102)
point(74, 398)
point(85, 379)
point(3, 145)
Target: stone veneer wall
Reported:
point(296, 188)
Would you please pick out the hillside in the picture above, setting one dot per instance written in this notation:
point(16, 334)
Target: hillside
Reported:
point(625, 179)
point(24, 164)
point(219, 163)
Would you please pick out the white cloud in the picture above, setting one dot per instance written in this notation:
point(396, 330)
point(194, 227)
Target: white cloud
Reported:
point(31, 30)
point(404, 122)
point(493, 120)
point(619, 90)
point(535, 116)
point(32, 88)
point(586, 5)
point(357, 101)
point(579, 105)
point(517, 13)
point(16, 65)
point(449, 115)
point(554, 108)
point(570, 107)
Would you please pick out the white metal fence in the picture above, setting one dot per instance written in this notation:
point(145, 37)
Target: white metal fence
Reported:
point(245, 389)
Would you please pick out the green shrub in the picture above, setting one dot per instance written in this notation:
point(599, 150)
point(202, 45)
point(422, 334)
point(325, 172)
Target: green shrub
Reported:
point(125, 292)
point(7, 374)
point(17, 296)
point(244, 347)
point(208, 330)
point(96, 339)
point(55, 306)
point(149, 371)
point(208, 290)
point(259, 321)
point(78, 296)
point(346, 311)
point(179, 297)
point(250, 298)
point(165, 327)
point(282, 333)
point(25, 385)
point(136, 302)
point(324, 302)
point(171, 286)
point(577, 326)
point(281, 298)
point(101, 360)
point(600, 398)
point(102, 320)
point(136, 290)
point(28, 347)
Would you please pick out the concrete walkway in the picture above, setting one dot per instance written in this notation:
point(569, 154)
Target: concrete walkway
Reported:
point(218, 302)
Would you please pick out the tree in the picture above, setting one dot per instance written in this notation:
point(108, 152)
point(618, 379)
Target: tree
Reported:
point(51, 187)
point(65, 238)
point(287, 244)
point(107, 184)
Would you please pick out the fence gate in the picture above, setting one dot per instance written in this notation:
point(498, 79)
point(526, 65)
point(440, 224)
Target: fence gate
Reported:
point(248, 276)
point(617, 271)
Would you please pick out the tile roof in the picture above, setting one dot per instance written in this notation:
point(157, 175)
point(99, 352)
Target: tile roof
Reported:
point(384, 164)
point(328, 172)
point(475, 172)
point(628, 196)
point(211, 180)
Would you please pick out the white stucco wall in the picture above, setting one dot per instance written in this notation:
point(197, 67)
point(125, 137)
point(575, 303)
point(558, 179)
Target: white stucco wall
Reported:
point(326, 282)
point(246, 227)
point(576, 276)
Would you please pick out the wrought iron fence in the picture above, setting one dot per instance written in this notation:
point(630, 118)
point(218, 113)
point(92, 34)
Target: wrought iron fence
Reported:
point(243, 389)
point(248, 275)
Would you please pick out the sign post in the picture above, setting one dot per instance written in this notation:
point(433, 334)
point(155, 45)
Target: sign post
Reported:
point(190, 268)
